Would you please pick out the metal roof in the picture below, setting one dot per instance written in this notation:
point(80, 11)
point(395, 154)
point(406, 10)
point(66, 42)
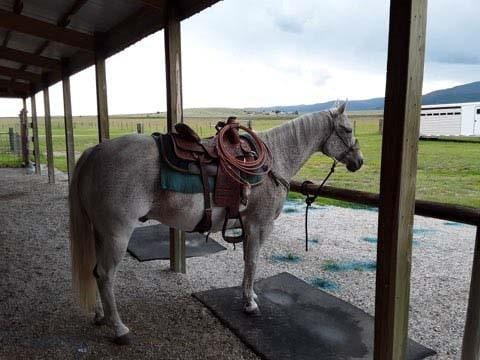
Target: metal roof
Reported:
point(41, 41)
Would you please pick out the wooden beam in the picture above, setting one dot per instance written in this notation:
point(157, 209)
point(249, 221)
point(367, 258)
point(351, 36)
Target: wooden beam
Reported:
point(69, 140)
point(24, 133)
point(30, 59)
point(155, 4)
point(471, 336)
point(47, 31)
point(173, 68)
point(14, 85)
point(36, 139)
point(64, 21)
point(196, 7)
point(17, 9)
point(102, 99)
point(449, 212)
point(48, 137)
point(6, 93)
point(18, 74)
point(406, 52)
point(144, 23)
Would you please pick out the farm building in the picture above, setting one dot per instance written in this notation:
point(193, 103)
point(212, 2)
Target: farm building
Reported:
point(450, 119)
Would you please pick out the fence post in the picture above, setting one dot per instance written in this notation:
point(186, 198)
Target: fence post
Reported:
point(140, 128)
point(24, 133)
point(11, 138)
point(380, 126)
point(354, 127)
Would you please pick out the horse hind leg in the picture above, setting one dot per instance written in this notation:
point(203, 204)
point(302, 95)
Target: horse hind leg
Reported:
point(109, 253)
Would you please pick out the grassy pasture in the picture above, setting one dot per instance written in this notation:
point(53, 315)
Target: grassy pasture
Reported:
point(447, 171)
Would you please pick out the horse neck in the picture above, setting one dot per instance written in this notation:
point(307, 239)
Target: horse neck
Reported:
point(293, 143)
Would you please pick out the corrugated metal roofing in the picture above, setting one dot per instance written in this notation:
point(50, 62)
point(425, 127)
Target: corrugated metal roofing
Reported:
point(111, 25)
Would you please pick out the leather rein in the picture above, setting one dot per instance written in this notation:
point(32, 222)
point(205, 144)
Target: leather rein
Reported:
point(310, 199)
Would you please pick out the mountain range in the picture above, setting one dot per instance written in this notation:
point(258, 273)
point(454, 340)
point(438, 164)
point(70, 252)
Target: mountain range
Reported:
point(463, 93)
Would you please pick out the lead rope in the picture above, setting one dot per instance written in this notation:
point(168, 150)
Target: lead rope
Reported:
point(310, 199)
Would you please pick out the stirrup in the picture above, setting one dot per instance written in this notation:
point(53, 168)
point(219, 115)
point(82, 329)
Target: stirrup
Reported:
point(233, 239)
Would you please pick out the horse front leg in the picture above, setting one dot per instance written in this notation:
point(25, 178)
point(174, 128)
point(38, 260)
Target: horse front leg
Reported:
point(256, 235)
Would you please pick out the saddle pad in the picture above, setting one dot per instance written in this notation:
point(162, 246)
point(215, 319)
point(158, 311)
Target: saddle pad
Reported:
point(182, 182)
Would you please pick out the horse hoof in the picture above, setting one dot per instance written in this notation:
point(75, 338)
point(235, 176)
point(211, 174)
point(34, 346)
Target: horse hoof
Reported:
point(251, 310)
point(100, 321)
point(123, 340)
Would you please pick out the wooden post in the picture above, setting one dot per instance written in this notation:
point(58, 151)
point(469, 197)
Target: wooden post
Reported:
point(140, 128)
point(69, 140)
point(48, 137)
point(24, 133)
point(173, 68)
point(471, 336)
point(354, 127)
point(406, 52)
point(102, 101)
point(380, 126)
point(36, 140)
point(11, 138)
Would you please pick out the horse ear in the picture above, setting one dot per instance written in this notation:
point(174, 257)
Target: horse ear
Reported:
point(341, 108)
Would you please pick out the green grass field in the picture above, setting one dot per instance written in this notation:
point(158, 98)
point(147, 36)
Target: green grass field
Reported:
point(447, 171)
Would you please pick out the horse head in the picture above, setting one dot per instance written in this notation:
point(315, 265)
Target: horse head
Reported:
point(341, 143)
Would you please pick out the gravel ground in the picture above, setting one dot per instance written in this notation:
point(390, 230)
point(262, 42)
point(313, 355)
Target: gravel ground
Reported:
point(39, 320)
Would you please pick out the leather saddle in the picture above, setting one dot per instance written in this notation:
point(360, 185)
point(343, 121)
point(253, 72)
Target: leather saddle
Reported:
point(186, 152)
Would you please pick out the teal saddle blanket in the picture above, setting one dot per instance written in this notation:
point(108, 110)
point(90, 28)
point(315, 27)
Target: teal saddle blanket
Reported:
point(185, 183)
point(175, 173)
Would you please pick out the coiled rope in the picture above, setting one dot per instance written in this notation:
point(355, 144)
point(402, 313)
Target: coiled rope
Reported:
point(234, 166)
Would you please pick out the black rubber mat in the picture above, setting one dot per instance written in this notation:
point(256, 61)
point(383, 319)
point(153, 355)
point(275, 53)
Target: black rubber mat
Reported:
point(298, 321)
point(152, 243)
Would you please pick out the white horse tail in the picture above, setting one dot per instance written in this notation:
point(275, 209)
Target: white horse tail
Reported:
point(82, 242)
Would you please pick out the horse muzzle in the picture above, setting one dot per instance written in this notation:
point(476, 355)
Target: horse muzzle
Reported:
point(354, 161)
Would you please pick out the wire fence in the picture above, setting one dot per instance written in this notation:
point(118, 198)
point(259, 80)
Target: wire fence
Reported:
point(10, 148)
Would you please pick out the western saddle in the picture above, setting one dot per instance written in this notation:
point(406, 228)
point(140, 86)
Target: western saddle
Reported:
point(236, 161)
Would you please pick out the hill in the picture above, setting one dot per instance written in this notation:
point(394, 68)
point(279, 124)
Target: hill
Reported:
point(462, 93)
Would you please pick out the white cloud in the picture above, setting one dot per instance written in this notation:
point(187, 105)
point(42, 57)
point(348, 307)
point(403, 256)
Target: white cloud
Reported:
point(278, 52)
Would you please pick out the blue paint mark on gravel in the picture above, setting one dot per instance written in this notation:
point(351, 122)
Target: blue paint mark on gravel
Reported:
point(314, 241)
point(370, 239)
point(324, 284)
point(420, 231)
point(353, 265)
point(289, 257)
point(452, 223)
point(374, 240)
point(296, 206)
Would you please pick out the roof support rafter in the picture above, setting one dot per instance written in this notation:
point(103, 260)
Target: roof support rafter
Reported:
point(18, 86)
point(156, 4)
point(47, 31)
point(18, 74)
point(30, 59)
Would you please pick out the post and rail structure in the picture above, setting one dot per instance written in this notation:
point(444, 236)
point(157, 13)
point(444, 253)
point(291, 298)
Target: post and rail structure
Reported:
point(449, 212)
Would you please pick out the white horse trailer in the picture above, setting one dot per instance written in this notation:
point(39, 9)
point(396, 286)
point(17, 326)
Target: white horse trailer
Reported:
point(450, 119)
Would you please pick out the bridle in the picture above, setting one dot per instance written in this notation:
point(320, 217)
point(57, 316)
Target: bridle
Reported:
point(310, 199)
point(349, 147)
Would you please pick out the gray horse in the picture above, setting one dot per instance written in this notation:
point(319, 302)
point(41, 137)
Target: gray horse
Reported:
point(115, 183)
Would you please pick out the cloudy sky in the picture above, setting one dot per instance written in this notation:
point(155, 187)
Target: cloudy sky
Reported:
point(242, 53)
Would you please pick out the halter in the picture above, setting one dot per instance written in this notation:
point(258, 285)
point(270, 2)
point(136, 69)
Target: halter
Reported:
point(310, 199)
point(349, 147)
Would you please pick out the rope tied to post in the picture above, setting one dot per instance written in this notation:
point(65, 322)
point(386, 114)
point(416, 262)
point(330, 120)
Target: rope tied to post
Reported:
point(310, 198)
